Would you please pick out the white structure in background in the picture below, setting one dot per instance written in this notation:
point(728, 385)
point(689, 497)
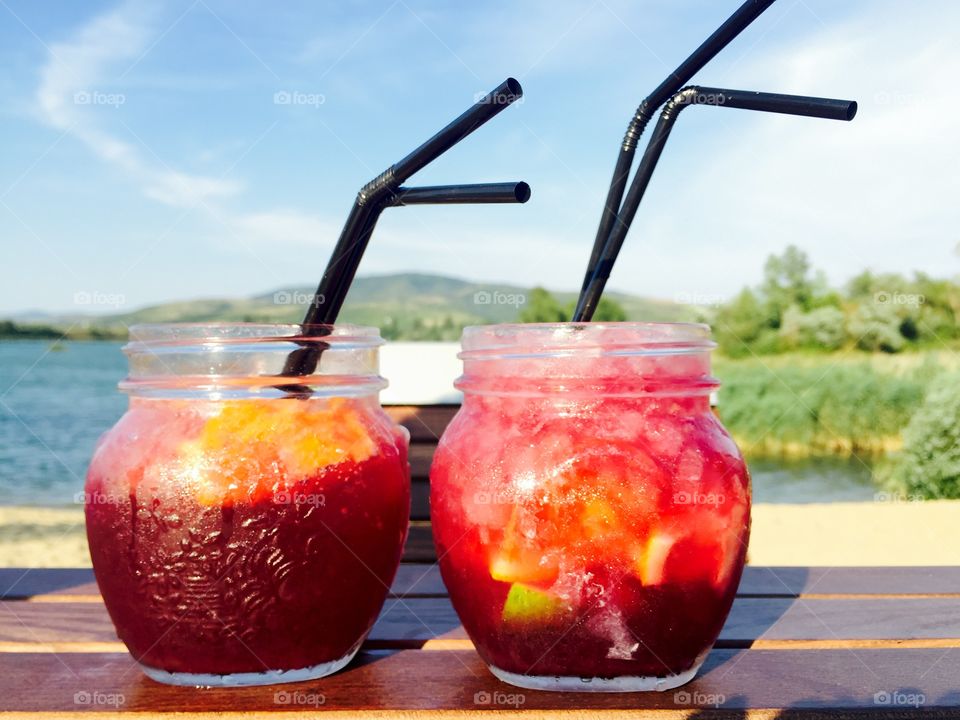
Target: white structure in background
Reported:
point(420, 373)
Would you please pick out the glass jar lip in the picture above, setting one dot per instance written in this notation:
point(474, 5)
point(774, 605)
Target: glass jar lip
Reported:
point(345, 335)
point(240, 359)
point(519, 340)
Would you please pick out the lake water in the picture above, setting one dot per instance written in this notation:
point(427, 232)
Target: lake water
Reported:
point(55, 404)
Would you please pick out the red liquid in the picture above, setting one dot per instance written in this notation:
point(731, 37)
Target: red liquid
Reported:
point(278, 573)
point(591, 539)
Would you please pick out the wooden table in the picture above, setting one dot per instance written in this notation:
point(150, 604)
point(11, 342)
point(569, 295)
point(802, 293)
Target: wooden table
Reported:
point(800, 642)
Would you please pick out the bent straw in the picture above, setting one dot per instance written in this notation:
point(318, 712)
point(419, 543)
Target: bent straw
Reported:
point(509, 192)
point(722, 36)
point(349, 249)
point(326, 302)
point(740, 99)
point(303, 361)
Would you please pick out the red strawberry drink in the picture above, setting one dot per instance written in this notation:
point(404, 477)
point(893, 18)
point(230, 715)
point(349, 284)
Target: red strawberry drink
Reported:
point(240, 535)
point(591, 514)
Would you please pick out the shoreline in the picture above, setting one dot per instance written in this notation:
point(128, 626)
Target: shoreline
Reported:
point(890, 531)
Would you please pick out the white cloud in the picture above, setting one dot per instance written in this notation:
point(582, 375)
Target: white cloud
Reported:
point(86, 64)
point(76, 90)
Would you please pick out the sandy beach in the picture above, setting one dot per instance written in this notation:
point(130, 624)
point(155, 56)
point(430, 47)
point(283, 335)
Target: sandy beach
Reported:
point(42, 537)
point(887, 532)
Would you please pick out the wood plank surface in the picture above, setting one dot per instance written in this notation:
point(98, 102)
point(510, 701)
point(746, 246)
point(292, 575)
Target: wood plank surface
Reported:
point(413, 683)
point(793, 581)
point(414, 621)
point(73, 584)
point(420, 458)
point(419, 547)
point(426, 423)
point(885, 642)
point(783, 582)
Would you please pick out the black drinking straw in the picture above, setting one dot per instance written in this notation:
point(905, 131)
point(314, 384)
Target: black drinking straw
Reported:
point(374, 196)
point(303, 361)
point(740, 99)
point(379, 193)
point(508, 192)
point(722, 36)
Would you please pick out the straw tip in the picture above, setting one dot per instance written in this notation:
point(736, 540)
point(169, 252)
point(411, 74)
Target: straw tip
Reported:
point(521, 192)
point(513, 85)
point(851, 110)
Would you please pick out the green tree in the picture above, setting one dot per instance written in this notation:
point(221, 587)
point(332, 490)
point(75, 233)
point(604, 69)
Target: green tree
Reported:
point(861, 286)
point(937, 308)
point(875, 326)
point(929, 465)
point(788, 280)
point(542, 307)
point(608, 311)
point(821, 329)
point(739, 323)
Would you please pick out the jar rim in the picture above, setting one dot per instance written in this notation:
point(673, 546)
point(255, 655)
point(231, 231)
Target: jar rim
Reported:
point(518, 340)
point(150, 335)
point(237, 359)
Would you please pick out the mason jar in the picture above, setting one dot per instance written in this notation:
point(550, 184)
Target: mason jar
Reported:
point(245, 527)
point(590, 512)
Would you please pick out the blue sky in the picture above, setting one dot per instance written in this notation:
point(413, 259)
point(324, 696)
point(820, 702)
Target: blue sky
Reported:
point(145, 158)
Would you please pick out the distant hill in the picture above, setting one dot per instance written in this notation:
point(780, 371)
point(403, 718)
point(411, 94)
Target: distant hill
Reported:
point(405, 305)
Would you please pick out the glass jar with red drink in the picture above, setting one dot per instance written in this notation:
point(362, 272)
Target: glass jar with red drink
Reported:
point(245, 528)
point(590, 512)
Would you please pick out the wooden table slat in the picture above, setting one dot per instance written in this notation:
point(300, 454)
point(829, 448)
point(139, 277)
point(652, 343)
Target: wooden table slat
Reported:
point(426, 423)
point(412, 622)
point(808, 683)
point(800, 642)
point(783, 582)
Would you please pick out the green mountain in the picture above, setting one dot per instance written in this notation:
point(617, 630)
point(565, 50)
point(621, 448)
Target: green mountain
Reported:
point(404, 306)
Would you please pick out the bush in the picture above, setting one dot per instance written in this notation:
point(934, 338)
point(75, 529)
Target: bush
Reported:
point(821, 329)
point(542, 307)
point(795, 409)
point(738, 324)
point(929, 465)
point(876, 327)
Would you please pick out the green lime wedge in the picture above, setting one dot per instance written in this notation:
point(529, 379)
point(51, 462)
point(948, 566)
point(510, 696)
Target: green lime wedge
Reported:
point(529, 604)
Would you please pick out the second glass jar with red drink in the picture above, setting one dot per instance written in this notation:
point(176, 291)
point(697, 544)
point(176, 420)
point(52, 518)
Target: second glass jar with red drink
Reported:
point(591, 514)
